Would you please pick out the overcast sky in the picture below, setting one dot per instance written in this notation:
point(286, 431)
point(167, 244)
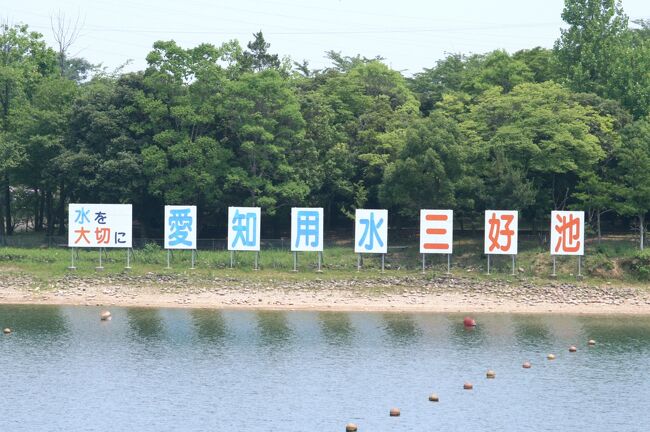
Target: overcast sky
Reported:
point(409, 34)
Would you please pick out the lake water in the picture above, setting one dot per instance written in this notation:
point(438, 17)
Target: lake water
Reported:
point(197, 370)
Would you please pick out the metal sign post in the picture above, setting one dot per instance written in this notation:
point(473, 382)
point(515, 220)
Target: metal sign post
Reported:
point(193, 258)
point(513, 265)
point(320, 259)
point(488, 264)
point(257, 261)
point(359, 262)
point(382, 262)
point(72, 267)
point(232, 258)
point(554, 274)
point(448, 264)
point(579, 266)
point(128, 259)
point(100, 267)
point(168, 259)
point(424, 263)
point(295, 261)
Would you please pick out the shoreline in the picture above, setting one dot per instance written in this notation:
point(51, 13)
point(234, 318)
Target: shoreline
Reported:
point(388, 294)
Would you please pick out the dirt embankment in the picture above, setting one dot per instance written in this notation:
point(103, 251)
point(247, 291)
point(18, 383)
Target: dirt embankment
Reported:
point(409, 293)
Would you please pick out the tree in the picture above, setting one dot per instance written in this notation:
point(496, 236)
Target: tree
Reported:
point(634, 177)
point(257, 58)
point(24, 60)
point(541, 132)
point(427, 168)
point(261, 124)
point(587, 51)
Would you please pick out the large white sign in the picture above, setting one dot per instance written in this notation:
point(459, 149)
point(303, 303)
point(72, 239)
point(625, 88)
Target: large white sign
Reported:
point(436, 231)
point(567, 233)
point(244, 224)
point(100, 225)
point(501, 232)
point(180, 227)
point(306, 229)
point(371, 231)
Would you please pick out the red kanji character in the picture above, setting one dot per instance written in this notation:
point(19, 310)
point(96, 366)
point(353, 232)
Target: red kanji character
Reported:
point(82, 234)
point(103, 235)
point(569, 234)
point(496, 232)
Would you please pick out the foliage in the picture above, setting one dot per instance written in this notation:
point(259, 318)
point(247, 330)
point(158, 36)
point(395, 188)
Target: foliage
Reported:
point(534, 130)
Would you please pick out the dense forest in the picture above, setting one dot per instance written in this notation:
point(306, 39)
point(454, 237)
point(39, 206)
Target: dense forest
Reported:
point(536, 130)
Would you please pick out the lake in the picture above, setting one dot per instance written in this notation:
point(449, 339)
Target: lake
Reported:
point(193, 370)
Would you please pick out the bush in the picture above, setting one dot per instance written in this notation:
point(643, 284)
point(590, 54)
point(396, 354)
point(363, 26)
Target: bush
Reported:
point(640, 264)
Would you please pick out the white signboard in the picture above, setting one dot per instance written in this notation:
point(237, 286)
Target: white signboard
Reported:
point(371, 231)
point(100, 225)
point(567, 233)
point(436, 231)
point(501, 232)
point(244, 224)
point(180, 227)
point(306, 229)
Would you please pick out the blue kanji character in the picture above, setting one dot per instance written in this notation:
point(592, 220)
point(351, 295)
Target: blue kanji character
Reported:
point(308, 227)
point(82, 215)
point(371, 230)
point(180, 224)
point(245, 227)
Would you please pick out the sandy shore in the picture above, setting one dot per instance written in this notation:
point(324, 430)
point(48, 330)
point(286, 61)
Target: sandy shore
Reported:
point(408, 294)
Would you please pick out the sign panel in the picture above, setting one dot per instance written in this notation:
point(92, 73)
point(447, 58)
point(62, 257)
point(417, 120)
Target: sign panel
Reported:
point(244, 227)
point(436, 231)
point(371, 231)
point(501, 232)
point(100, 225)
point(306, 229)
point(567, 233)
point(180, 227)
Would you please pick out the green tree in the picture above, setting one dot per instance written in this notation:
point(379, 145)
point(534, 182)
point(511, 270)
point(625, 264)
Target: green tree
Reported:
point(427, 169)
point(588, 49)
point(24, 61)
point(633, 186)
point(543, 135)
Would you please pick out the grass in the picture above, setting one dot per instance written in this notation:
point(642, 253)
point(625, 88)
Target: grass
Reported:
point(614, 259)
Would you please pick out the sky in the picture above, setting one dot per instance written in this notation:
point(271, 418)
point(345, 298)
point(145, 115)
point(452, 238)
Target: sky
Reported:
point(409, 34)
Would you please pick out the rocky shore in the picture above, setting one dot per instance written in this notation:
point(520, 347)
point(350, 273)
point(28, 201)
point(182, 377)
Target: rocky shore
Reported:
point(385, 293)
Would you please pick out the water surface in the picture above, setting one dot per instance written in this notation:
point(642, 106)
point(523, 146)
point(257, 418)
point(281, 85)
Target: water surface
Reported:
point(195, 370)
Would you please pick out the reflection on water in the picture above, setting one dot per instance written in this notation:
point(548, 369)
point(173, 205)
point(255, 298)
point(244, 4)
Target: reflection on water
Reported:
point(42, 322)
point(336, 327)
point(618, 334)
point(400, 328)
point(302, 371)
point(210, 324)
point(468, 336)
point(531, 330)
point(273, 328)
point(145, 323)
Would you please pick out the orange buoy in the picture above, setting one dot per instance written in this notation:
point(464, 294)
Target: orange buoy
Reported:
point(491, 374)
point(350, 427)
point(573, 349)
point(469, 322)
point(468, 386)
point(105, 315)
point(551, 356)
point(526, 365)
point(394, 412)
point(434, 397)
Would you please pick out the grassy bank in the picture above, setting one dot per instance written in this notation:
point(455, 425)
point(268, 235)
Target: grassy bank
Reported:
point(615, 259)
